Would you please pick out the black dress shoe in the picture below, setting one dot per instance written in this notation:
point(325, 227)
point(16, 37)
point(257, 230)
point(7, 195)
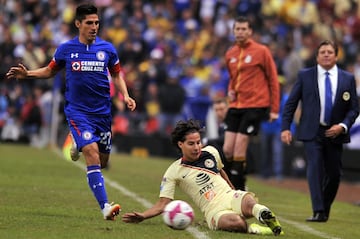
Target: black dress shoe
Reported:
point(318, 217)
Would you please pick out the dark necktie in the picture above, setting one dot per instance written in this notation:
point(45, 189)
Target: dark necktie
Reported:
point(328, 99)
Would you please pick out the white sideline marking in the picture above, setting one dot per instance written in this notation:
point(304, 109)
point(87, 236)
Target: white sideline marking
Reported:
point(192, 230)
point(306, 228)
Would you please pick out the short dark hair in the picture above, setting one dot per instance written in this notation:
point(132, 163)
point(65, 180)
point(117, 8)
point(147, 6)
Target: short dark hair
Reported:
point(184, 128)
point(83, 10)
point(243, 19)
point(326, 43)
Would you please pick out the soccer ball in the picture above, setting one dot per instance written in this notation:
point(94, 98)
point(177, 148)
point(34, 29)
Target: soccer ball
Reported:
point(178, 214)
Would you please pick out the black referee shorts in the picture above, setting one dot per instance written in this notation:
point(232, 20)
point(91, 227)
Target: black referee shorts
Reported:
point(246, 121)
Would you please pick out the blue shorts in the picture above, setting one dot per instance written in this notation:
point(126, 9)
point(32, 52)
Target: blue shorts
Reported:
point(88, 129)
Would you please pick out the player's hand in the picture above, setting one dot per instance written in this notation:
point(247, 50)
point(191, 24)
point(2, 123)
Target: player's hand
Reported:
point(133, 217)
point(286, 137)
point(17, 72)
point(130, 103)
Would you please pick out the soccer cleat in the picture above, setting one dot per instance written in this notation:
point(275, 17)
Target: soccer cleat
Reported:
point(269, 218)
point(74, 153)
point(111, 210)
point(258, 229)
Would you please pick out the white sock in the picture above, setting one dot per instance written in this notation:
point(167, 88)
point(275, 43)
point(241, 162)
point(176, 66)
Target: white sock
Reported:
point(257, 209)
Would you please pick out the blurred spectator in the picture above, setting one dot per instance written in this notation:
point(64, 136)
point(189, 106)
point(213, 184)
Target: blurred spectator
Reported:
point(17, 99)
point(272, 149)
point(152, 109)
point(171, 100)
point(192, 86)
point(355, 136)
point(11, 130)
point(30, 118)
point(290, 66)
point(33, 56)
point(44, 98)
point(7, 47)
point(133, 50)
point(4, 103)
point(62, 35)
point(117, 32)
point(189, 37)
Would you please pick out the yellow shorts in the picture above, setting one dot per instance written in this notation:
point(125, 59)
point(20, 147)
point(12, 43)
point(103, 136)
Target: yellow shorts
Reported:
point(228, 204)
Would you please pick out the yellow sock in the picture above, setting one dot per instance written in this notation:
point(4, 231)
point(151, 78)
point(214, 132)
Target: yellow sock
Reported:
point(241, 159)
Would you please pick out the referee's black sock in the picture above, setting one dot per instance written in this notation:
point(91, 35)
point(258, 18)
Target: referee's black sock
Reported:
point(237, 174)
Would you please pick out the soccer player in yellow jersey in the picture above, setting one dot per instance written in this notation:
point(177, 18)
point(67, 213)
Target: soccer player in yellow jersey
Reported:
point(199, 174)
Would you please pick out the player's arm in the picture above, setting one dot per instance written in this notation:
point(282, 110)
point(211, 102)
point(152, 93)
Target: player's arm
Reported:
point(155, 210)
point(21, 72)
point(226, 177)
point(120, 84)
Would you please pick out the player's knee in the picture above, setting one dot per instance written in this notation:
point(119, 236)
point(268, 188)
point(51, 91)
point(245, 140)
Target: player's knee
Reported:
point(227, 152)
point(247, 204)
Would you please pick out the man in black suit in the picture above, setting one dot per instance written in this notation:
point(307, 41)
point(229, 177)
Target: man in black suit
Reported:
point(329, 107)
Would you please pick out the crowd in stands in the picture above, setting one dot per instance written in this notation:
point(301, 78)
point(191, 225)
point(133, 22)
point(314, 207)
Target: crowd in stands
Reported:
point(171, 53)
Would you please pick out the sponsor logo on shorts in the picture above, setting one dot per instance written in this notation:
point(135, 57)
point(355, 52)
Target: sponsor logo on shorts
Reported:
point(250, 129)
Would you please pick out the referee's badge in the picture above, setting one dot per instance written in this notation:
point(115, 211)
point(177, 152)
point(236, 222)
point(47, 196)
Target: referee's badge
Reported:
point(346, 96)
point(248, 59)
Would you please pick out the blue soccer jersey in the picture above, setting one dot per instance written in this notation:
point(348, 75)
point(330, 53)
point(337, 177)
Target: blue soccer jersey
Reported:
point(87, 78)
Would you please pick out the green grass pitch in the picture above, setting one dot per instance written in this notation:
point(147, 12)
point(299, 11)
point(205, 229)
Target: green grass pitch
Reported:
point(43, 196)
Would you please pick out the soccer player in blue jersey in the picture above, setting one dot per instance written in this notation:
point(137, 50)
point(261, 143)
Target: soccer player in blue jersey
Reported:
point(199, 173)
point(87, 60)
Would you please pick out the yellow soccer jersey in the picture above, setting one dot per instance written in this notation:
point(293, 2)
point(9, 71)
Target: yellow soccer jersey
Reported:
point(201, 179)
